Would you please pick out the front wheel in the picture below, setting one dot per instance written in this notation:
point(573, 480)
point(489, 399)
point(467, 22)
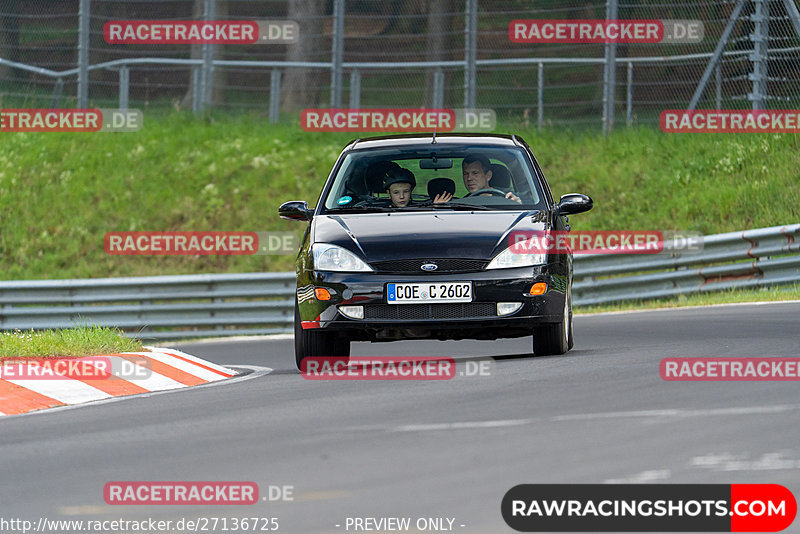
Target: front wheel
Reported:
point(570, 335)
point(314, 342)
point(550, 339)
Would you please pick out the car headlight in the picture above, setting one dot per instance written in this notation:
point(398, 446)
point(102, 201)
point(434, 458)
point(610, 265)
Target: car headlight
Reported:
point(329, 257)
point(509, 259)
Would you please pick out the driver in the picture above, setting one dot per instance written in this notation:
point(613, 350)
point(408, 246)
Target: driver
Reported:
point(477, 172)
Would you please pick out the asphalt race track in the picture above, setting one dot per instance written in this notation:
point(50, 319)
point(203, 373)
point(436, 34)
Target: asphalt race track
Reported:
point(430, 448)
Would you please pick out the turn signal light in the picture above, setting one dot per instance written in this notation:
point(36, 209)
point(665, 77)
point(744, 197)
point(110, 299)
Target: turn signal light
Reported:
point(322, 293)
point(538, 288)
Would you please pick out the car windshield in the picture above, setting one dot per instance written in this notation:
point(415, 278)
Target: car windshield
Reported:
point(434, 178)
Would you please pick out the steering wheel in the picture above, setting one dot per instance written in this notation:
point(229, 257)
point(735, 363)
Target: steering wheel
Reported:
point(490, 190)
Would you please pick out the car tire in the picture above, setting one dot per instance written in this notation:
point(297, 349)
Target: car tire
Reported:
point(550, 339)
point(570, 336)
point(314, 342)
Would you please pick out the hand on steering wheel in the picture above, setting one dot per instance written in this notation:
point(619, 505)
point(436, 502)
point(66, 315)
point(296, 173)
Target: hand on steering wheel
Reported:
point(489, 190)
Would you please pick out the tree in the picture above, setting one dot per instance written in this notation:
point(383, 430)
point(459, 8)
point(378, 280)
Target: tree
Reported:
point(440, 21)
point(219, 77)
point(300, 85)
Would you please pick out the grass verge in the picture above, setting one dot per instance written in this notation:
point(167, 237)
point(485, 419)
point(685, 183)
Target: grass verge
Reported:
point(69, 342)
point(772, 294)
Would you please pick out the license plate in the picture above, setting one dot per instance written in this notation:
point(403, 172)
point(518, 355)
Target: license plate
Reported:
point(429, 292)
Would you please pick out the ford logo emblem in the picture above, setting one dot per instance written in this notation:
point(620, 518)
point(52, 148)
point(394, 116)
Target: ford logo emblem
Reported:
point(429, 267)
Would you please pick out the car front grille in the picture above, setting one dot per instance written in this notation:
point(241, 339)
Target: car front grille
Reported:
point(448, 265)
point(423, 312)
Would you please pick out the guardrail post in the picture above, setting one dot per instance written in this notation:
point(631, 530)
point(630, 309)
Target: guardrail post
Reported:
point(610, 74)
point(197, 90)
point(216, 300)
point(207, 78)
point(145, 327)
point(57, 91)
point(793, 14)
point(83, 53)
point(540, 96)
point(337, 53)
point(274, 96)
point(712, 63)
point(355, 89)
point(470, 54)
point(629, 100)
point(124, 86)
point(438, 88)
point(760, 38)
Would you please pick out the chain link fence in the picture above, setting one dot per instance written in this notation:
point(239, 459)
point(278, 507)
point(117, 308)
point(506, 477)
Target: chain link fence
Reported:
point(412, 53)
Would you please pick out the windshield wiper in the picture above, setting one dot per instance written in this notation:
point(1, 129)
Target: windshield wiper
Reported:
point(361, 208)
point(461, 206)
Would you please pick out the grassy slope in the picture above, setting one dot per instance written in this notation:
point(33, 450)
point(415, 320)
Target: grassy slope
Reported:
point(70, 342)
point(60, 193)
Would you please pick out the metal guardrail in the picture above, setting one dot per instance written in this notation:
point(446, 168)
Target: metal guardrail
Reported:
point(153, 307)
point(751, 258)
point(172, 307)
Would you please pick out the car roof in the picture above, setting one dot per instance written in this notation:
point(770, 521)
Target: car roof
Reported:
point(441, 139)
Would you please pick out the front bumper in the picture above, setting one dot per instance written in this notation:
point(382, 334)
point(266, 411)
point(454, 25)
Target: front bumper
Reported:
point(475, 320)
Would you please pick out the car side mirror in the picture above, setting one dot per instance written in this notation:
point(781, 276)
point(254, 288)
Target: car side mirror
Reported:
point(295, 210)
point(574, 203)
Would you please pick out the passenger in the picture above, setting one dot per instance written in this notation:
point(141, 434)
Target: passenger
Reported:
point(399, 183)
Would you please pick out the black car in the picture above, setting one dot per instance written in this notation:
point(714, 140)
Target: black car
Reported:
point(376, 265)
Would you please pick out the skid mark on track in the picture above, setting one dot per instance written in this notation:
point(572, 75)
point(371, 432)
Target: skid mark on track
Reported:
point(642, 478)
point(662, 415)
point(770, 461)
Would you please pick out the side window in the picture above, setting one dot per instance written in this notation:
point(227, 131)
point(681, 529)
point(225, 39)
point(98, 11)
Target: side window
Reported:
point(339, 186)
point(548, 194)
point(520, 183)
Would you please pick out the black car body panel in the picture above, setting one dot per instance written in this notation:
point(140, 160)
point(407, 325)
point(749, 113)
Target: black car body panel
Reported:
point(385, 236)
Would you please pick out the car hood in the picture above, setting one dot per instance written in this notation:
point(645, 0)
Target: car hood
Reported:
point(444, 234)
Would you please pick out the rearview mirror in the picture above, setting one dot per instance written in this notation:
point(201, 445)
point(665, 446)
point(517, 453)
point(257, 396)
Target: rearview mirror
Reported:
point(574, 203)
point(295, 210)
point(436, 163)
